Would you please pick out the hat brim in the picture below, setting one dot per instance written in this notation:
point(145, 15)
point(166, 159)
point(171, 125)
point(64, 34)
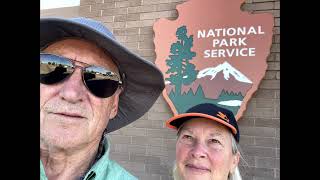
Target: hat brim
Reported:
point(176, 121)
point(143, 81)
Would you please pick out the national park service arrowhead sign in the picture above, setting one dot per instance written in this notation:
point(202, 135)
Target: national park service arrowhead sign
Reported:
point(212, 53)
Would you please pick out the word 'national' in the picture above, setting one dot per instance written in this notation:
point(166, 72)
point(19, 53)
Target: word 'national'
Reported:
point(238, 31)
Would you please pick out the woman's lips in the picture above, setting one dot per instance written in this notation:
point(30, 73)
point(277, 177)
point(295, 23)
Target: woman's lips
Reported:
point(198, 168)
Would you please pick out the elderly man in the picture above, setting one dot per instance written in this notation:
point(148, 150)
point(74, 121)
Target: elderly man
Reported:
point(90, 85)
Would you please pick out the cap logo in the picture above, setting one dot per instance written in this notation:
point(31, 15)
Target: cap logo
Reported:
point(223, 116)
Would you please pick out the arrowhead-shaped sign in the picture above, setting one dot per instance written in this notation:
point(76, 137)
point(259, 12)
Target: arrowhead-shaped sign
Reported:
point(212, 53)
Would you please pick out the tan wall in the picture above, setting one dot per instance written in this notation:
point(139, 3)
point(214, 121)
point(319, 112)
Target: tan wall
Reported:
point(145, 147)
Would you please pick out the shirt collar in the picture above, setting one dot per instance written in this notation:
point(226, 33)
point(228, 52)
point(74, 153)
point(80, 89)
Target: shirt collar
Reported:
point(102, 160)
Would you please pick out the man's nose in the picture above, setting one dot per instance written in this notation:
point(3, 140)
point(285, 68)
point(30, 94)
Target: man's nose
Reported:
point(199, 151)
point(73, 90)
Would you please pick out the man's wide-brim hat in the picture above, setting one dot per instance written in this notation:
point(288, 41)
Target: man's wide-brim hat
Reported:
point(209, 111)
point(143, 81)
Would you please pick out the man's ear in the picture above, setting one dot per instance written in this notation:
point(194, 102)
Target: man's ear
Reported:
point(115, 104)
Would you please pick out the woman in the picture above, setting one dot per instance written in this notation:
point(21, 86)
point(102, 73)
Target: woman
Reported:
point(206, 146)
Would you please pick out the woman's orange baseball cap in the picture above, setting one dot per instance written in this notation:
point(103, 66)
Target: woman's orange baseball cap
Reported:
point(208, 111)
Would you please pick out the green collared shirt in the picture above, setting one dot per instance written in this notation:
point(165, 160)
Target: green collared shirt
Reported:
point(103, 169)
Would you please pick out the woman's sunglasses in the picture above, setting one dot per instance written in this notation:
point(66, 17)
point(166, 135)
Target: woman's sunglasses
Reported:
point(99, 81)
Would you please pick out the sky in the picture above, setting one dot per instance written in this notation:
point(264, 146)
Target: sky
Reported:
point(49, 4)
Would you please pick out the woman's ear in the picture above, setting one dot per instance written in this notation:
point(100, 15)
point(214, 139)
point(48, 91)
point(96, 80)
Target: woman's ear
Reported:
point(235, 162)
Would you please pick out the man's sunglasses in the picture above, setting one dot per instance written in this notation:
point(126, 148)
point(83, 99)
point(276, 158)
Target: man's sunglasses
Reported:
point(99, 81)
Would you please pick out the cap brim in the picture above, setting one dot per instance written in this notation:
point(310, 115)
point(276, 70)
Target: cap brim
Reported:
point(143, 82)
point(176, 121)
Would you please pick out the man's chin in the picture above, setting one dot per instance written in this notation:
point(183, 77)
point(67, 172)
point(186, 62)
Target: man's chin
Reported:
point(62, 140)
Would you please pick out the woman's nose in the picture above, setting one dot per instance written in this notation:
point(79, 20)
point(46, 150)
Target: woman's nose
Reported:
point(199, 151)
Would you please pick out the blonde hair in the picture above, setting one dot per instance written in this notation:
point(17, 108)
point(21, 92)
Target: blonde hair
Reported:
point(235, 149)
point(232, 176)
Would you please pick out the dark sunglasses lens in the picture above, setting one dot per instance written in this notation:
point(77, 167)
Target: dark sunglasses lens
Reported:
point(54, 69)
point(100, 82)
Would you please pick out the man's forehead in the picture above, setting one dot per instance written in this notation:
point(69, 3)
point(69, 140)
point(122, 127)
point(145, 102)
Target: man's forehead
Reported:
point(69, 44)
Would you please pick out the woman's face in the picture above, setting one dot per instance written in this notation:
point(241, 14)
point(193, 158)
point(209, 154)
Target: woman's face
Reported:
point(204, 151)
